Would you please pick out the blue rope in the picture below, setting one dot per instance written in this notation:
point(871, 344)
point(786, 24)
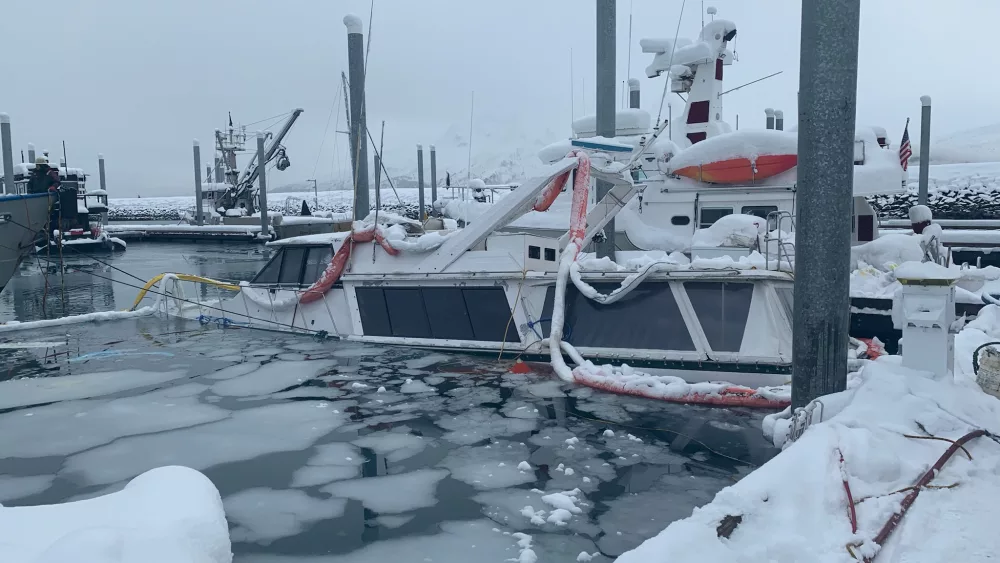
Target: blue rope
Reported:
point(221, 322)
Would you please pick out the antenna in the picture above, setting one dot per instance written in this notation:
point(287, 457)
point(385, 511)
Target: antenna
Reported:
point(572, 89)
point(703, 14)
point(751, 82)
point(712, 11)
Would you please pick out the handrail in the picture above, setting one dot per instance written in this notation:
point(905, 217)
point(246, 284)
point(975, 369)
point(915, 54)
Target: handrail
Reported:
point(182, 277)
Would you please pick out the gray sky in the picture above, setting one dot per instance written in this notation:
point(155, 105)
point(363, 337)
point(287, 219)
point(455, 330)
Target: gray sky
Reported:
point(139, 80)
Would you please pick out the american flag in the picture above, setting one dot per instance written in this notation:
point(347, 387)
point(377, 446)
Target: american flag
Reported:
point(905, 152)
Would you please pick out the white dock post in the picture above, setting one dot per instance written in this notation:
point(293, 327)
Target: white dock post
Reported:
point(828, 88)
point(8, 154)
point(420, 183)
point(925, 149)
point(197, 185)
point(103, 182)
point(434, 176)
point(262, 193)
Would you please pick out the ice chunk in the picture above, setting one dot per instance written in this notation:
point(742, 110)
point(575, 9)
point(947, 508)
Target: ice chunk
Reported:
point(426, 361)
point(272, 377)
point(477, 425)
point(412, 386)
point(332, 462)
point(393, 522)
point(168, 515)
point(573, 440)
point(20, 487)
point(559, 517)
point(396, 446)
point(536, 517)
point(33, 391)
point(392, 494)
point(245, 435)
point(265, 515)
point(584, 556)
point(609, 433)
point(569, 471)
point(70, 427)
point(566, 500)
point(524, 466)
point(487, 467)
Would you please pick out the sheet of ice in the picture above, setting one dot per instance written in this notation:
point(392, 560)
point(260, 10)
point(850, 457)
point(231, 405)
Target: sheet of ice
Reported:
point(168, 515)
point(34, 391)
point(395, 446)
point(245, 435)
point(868, 430)
point(476, 425)
point(71, 427)
point(493, 467)
point(392, 494)
point(272, 377)
point(11, 326)
point(331, 462)
point(265, 515)
point(12, 488)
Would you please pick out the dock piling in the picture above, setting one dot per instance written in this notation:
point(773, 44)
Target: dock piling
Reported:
point(8, 154)
point(359, 128)
point(925, 149)
point(420, 183)
point(605, 101)
point(262, 193)
point(199, 217)
point(434, 176)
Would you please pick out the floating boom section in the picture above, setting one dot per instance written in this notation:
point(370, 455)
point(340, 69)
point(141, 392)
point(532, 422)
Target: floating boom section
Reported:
point(499, 215)
point(695, 68)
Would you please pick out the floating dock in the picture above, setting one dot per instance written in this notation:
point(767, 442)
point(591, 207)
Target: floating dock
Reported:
point(287, 227)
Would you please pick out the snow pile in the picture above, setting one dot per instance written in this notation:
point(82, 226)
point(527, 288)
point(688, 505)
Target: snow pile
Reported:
point(732, 230)
point(887, 251)
point(763, 518)
point(748, 144)
point(881, 172)
point(167, 515)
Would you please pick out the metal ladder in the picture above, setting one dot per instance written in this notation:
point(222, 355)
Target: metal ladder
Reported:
point(785, 247)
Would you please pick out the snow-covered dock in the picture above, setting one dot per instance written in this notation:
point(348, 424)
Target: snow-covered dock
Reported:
point(280, 228)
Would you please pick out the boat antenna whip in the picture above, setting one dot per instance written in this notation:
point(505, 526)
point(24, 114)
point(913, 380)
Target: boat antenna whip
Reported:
point(670, 62)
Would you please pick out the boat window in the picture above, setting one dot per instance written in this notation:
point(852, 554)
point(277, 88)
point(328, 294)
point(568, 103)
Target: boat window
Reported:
point(406, 313)
point(680, 220)
point(316, 262)
point(534, 252)
point(785, 297)
point(291, 265)
point(446, 313)
point(722, 309)
point(550, 254)
point(710, 215)
point(638, 175)
point(762, 211)
point(647, 318)
point(269, 273)
point(438, 312)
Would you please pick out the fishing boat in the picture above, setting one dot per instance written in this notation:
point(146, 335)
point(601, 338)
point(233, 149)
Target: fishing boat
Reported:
point(22, 217)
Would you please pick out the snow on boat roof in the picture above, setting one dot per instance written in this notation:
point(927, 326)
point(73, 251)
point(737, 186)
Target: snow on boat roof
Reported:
point(738, 144)
point(631, 121)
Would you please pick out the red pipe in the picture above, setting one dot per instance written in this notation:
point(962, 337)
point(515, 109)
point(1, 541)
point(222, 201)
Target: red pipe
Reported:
point(850, 498)
point(907, 502)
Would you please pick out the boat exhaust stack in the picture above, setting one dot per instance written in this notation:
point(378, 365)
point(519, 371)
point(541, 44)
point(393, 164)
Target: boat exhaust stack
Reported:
point(779, 120)
point(359, 128)
point(770, 117)
point(633, 93)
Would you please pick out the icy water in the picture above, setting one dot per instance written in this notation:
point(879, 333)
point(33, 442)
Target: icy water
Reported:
point(326, 451)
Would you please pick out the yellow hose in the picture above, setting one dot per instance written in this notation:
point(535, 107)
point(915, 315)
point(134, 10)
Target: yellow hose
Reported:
point(184, 277)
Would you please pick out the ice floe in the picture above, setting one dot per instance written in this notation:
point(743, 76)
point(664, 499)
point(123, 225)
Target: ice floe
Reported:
point(392, 494)
point(272, 377)
point(265, 515)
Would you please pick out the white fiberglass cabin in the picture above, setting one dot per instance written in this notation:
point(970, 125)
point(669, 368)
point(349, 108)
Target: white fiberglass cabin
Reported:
point(478, 290)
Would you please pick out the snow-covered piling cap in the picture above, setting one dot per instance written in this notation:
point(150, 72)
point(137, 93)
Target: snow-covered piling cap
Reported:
point(432, 148)
point(196, 143)
point(633, 84)
point(4, 118)
point(353, 23)
point(31, 146)
point(100, 156)
point(920, 214)
point(420, 147)
point(925, 100)
point(260, 134)
point(769, 112)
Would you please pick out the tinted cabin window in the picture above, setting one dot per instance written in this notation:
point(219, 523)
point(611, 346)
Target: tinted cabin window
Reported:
point(680, 220)
point(452, 313)
point(647, 318)
point(269, 274)
point(291, 266)
point(710, 215)
point(785, 297)
point(534, 252)
point(722, 309)
point(316, 262)
point(550, 254)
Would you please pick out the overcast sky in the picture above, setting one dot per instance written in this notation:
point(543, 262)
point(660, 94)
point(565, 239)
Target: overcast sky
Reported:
point(139, 80)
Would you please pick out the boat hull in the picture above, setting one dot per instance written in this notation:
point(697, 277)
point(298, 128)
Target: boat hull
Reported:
point(22, 217)
point(740, 170)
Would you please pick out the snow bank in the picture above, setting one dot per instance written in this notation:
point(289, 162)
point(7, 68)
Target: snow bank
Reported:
point(732, 230)
point(887, 251)
point(772, 523)
point(167, 515)
point(11, 326)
